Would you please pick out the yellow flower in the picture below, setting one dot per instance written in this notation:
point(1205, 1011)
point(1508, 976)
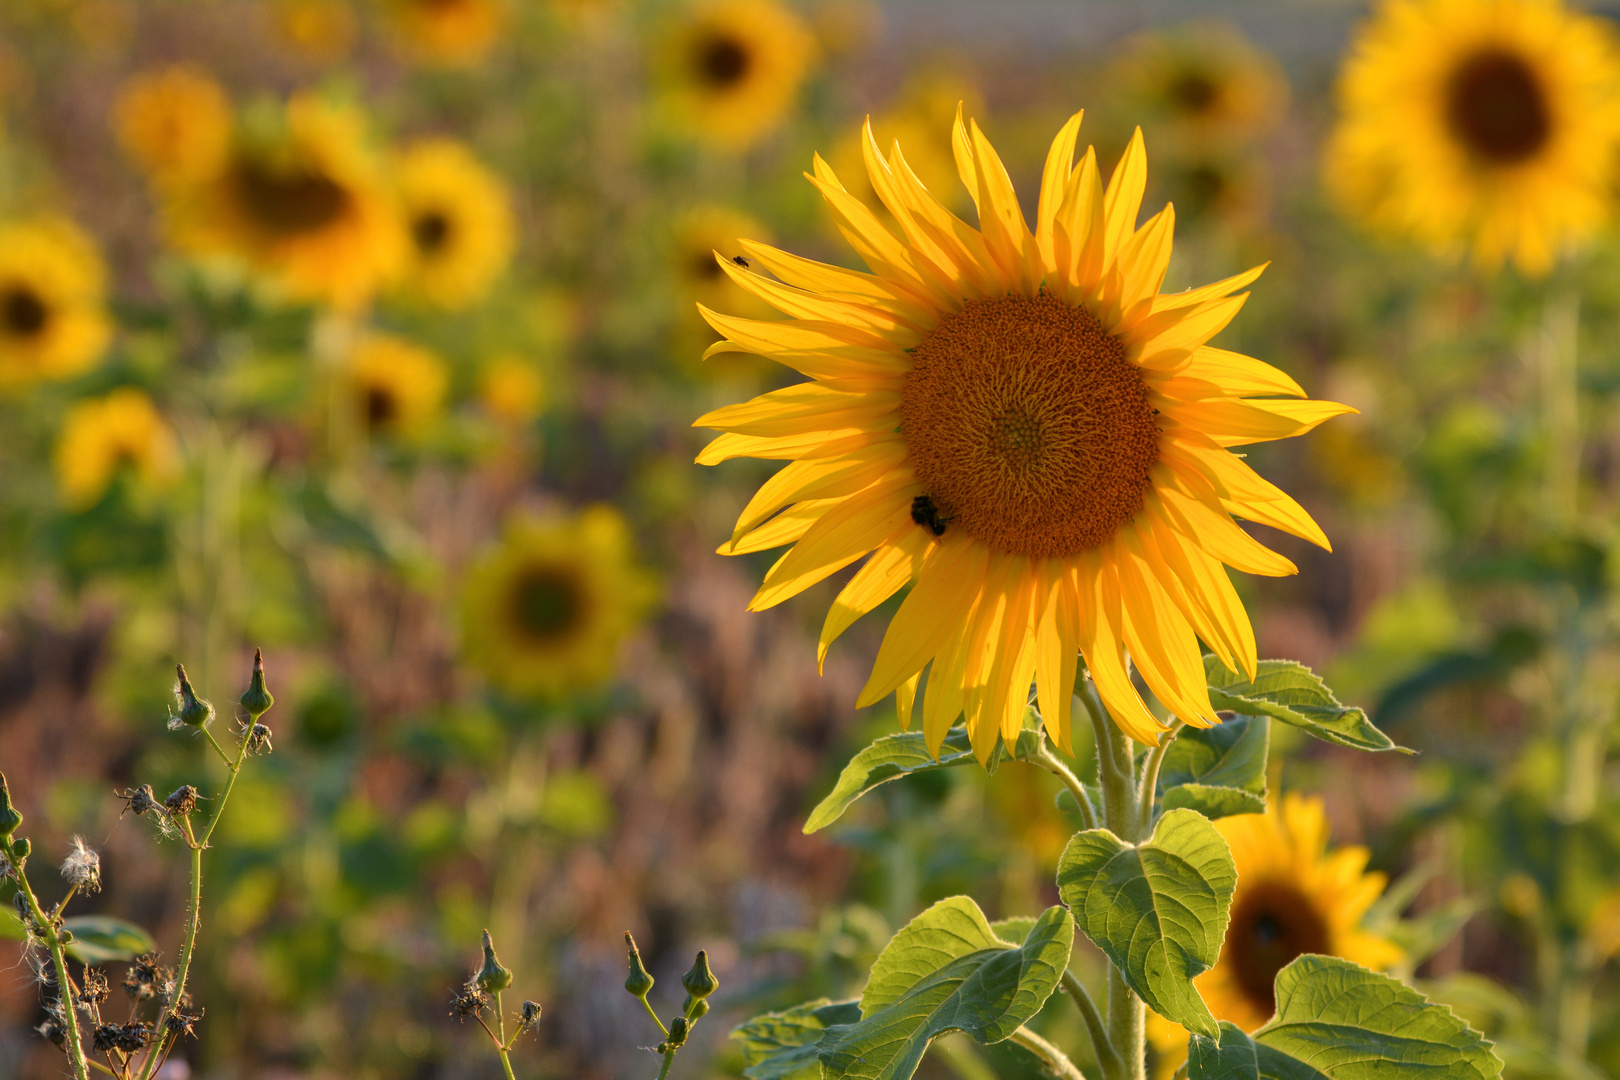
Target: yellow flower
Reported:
point(732, 68)
point(1203, 83)
point(511, 390)
point(544, 613)
point(447, 33)
point(920, 120)
point(322, 30)
point(103, 436)
point(1023, 426)
point(699, 233)
point(302, 202)
point(175, 123)
point(1294, 896)
point(395, 387)
point(53, 322)
point(459, 221)
point(1490, 124)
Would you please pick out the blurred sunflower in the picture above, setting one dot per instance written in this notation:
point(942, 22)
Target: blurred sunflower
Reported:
point(1021, 424)
point(731, 69)
point(698, 234)
point(394, 387)
point(446, 32)
point(102, 437)
point(53, 320)
point(511, 390)
point(459, 219)
point(1203, 83)
point(920, 119)
point(1294, 896)
point(301, 199)
point(175, 123)
point(544, 613)
point(1490, 124)
point(322, 30)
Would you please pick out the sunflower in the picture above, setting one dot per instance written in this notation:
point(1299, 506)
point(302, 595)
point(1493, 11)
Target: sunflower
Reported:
point(920, 119)
point(1202, 84)
point(53, 322)
point(321, 30)
point(448, 33)
point(698, 234)
point(1023, 426)
point(103, 436)
point(543, 614)
point(1294, 896)
point(511, 390)
point(732, 68)
point(301, 200)
point(1490, 124)
point(394, 387)
point(175, 123)
point(459, 219)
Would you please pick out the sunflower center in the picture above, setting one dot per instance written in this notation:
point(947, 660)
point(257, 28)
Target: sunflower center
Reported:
point(1497, 108)
point(1028, 427)
point(546, 603)
point(431, 231)
point(1272, 923)
point(381, 407)
point(722, 61)
point(289, 201)
point(22, 312)
point(1194, 92)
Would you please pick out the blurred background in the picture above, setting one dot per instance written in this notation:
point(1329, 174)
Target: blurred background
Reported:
point(364, 332)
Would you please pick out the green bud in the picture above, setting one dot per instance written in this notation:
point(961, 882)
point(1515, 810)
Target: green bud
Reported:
point(21, 848)
point(700, 981)
point(257, 698)
point(696, 1008)
point(9, 817)
point(194, 712)
point(492, 978)
point(640, 982)
point(678, 1029)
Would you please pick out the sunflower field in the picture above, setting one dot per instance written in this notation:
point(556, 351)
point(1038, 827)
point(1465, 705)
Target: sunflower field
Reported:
point(809, 540)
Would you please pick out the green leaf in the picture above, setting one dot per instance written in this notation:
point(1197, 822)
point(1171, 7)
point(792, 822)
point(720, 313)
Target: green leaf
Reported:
point(1013, 930)
point(1159, 910)
point(1213, 802)
point(11, 927)
point(782, 1045)
point(99, 939)
point(906, 754)
point(1338, 1021)
point(944, 971)
point(1290, 692)
point(1232, 754)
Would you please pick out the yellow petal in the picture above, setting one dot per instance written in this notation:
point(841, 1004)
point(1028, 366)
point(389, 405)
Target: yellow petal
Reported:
point(1161, 642)
point(930, 612)
point(1208, 587)
point(1213, 291)
point(1001, 219)
point(889, 569)
point(728, 446)
point(1165, 342)
point(959, 240)
point(876, 245)
point(822, 350)
point(803, 304)
point(784, 528)
point(1239, 375)
point(942, 702)
point(1244, 492)
point(1058, 653)
point(1238, 423)
point(905, 696)
point(804, 407)
point(1054, 184)
point(1103, 646)
point(1081, 221)
point(1216, 533)
point(828, 280)
point(1123, 201)
point(840, 468)
point(1142, 267)
point(843, 534)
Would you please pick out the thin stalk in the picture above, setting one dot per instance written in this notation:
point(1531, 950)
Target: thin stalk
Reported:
point(1055, 1059)
point(1150, 780)
point(646, 1005)
point(1100, 725)
point(1107, 1057)
point(64, 988)
point(669, 1058)
point(99, 1067)
point(1054, 765)
point(194, 905)
point(500, 1043)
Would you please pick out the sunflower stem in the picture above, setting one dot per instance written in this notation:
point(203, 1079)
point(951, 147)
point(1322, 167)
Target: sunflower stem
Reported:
point(1055, 1059)
point(1107, 1057)
point(1127, 1027)
point(1054, 765)
point(1148, 791)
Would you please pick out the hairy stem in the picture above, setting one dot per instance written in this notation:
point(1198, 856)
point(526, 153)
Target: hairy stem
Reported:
point(669, 1059)
point(1054, 765)
point(64, 988)
point(1055, 1059)
point(1107, 1057)
point(1127, 1025)
point(500, 1043)
point(1150, 780)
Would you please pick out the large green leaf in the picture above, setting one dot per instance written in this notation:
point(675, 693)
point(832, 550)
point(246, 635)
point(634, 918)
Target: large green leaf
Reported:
point(1290, 692)
point(1159, 910)
point(99, 939)
point(1213, 802)
point(782, 1045)
point(947, 971)
point(1218, 771)
point(1338, 1021)
point(905, 754)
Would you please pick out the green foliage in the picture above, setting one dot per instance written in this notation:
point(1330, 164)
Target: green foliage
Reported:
point(1218, 771)
point(782, 1045)
point(906, 754)
point(1159, 910)
point(947, 971)
point(1288, 691)
point(101, 939)
point(1338, 1021)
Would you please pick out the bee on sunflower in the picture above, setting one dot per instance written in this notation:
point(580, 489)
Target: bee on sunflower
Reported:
point(175, 124)
point(1489, 125)
point(1020, 425)
point(103, 437)
point(459, 218)
point(53, 318)
point(299, 199)
point(544, 613)
point(446, 33)
point(1294, 896)
point(395, 388)
point(730, 69)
